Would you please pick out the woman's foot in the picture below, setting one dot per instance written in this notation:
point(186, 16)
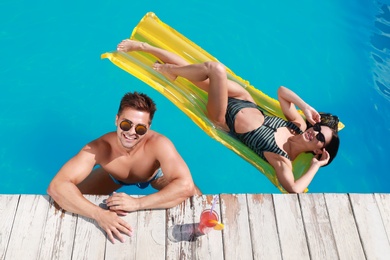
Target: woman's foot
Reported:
point(163, 69)
point(130, 45)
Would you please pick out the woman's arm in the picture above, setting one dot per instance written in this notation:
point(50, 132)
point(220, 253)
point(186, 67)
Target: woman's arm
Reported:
point(288, 100)
point(284, 172)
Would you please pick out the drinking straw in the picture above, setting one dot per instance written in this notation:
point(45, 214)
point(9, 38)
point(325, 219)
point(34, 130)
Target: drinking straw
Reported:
point(213, 205)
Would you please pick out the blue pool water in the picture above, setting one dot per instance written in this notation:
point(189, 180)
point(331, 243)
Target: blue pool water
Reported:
point(57, 94)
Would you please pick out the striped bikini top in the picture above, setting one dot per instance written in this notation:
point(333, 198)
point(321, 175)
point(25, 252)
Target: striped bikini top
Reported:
point(262, 139)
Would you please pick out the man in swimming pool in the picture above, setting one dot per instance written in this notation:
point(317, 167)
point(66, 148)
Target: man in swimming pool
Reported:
point(133, 155)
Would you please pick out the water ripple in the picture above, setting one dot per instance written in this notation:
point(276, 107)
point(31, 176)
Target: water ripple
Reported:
point(381, 50)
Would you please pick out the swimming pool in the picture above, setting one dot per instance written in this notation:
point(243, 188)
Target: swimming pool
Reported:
point(58, 95)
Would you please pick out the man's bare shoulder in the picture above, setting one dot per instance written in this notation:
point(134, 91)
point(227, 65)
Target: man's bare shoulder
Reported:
point(159, 143)
point(156, 138)
point(102, 143)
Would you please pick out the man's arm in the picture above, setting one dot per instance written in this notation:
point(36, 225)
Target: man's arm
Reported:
point(180, 185)
point(63, 189)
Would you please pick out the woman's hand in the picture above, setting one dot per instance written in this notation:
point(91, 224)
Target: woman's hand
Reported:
point(311, 115)
point(321, 159)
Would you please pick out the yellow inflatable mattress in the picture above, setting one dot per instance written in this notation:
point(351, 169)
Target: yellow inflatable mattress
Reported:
point(187, 97)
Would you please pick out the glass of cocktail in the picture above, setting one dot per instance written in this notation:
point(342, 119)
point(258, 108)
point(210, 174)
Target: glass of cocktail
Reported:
point(208, 220)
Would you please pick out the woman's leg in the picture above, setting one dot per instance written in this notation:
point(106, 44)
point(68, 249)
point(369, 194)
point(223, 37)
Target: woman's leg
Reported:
point(163, 55)
point(217, 87)
point(209, 76)
point(234, 90)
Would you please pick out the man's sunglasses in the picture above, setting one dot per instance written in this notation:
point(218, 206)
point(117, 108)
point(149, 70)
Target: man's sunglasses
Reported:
point(126, 125)
point(320, 136)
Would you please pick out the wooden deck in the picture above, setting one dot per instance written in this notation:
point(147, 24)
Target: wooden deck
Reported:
point(305, 226)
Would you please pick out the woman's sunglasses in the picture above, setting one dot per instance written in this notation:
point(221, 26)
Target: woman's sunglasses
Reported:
point(126, 125)
point(320, 136)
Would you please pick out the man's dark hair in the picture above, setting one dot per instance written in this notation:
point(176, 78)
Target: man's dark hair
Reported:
point(138, 101)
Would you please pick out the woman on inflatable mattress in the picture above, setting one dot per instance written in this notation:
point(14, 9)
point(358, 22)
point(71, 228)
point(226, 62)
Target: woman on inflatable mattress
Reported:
point(232, 108)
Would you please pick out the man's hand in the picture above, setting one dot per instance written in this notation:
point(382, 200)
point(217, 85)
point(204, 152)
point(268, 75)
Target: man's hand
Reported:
point(113, 225)
point(121, 202)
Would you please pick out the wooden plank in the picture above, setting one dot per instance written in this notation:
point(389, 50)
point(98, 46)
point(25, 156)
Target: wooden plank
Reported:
point(27, 231)
point(8, 205)
point(180, 231)
point(151, 234)
point(383, 202)
point(208, 246)
point(128, 249)
point(344, 227)
point(90, 239)
point(291, 231)
point(58, 235)
point(262, 222)
point(371, 229)
point(236, 234)
point(318, 228)
point(255, 225)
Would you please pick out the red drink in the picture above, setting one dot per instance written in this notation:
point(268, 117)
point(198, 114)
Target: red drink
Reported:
point(206, 224)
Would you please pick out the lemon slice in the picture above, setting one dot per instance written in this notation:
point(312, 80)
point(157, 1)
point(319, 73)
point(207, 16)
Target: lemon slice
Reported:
point(218, 225)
